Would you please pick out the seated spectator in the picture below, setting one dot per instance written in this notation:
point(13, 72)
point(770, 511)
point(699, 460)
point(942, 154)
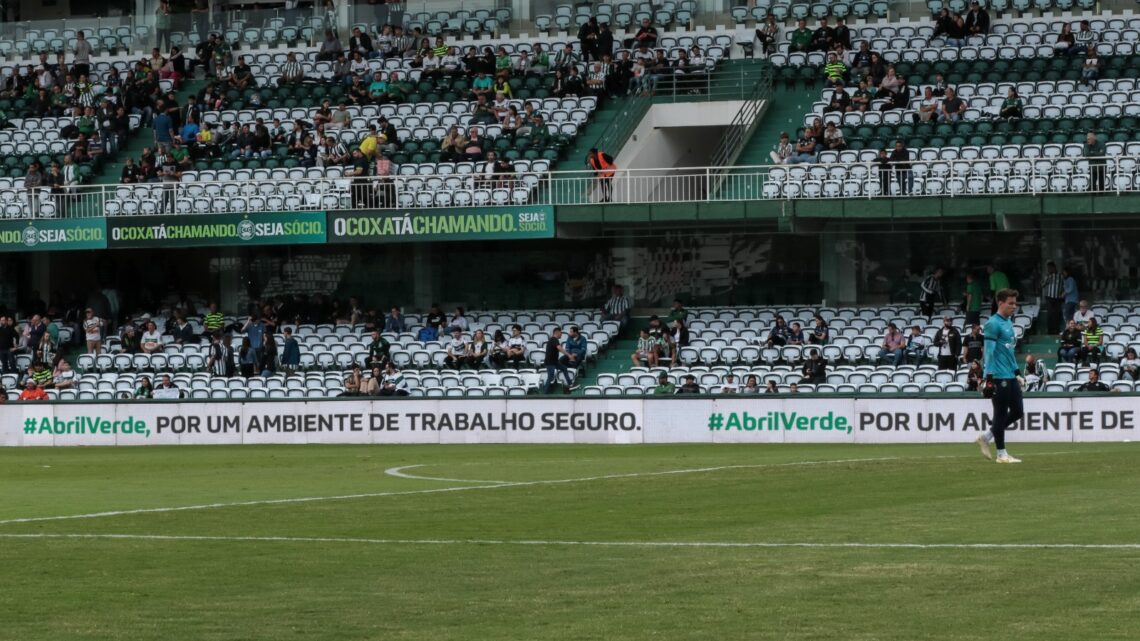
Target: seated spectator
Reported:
point(1012, 106)
point(890, 83)
point(892, 347)
point(473, 150)
point(292, 72)
point(1130, 365)
point(63, 377)
point(371, 386)
point(646, 35)
point(801, 38)
point(956, 32)
point(805, 149)
point(820, 333)
point(145, 390)
point(32, 391)
point(664, 387)
point(977, 20)
point(1036, 375)
point(616, 308)
point(778, 335)
point(1093, 343)
point(833, 138)
point(516, 347)
point(479, 350)
point(352, 383)
point(768, 35)
point(379, 351)
point(952, 107)
point(1072, 340)
point(690, 385)
point(572, 85)
point(928, 105)
point(770, 388)
point(1090, 71)
point(577, 348)
point(840, 101)
point(861, 99)
point(975, 376)
point(679, 337)
point(729, 385)
point(782, 153)
point(647, 349)
point(1064, 44)
point(1083, 315)
point(482, 85)
point(796, 334)
point(834, 71)
point(393, 383)
point(814, 370)
point(916, 344)
point(751, 385)
point(499, 349)
point(1094, 384)
point(330, 47)
point(596, 81)
point(151, 342)
point(1085, 39)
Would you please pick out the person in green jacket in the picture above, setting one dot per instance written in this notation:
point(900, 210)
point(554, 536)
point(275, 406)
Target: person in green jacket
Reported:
point(801, 37)
point(998, 282)
point(973, 302)
point(664, 387)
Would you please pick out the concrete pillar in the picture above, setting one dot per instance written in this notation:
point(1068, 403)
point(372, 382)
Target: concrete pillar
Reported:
point(839, 264)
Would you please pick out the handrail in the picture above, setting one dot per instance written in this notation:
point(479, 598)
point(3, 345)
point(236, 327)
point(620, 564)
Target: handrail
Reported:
point(744, 122)
point(863, 180)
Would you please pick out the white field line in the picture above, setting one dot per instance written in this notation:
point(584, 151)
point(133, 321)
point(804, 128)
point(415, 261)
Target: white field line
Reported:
point(440, 490)
point(556, 543)
point(465, 488)
point(399, 473)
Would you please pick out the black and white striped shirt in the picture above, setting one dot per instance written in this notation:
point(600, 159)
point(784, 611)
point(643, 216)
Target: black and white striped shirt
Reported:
point(292, 71)
point(617, 305)
point(1052, 287)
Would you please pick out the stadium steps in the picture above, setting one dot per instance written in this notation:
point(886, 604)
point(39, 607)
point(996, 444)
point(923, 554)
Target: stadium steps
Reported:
point(615, 360)
point(785, 113)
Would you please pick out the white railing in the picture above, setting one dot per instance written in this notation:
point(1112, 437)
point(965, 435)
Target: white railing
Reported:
point(863, 180)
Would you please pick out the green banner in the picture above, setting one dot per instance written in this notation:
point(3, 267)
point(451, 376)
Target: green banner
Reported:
point(206, 230)
point(407, 226)
point(52, 235)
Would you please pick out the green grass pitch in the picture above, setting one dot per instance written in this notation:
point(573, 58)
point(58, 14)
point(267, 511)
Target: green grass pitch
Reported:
point(566, 543)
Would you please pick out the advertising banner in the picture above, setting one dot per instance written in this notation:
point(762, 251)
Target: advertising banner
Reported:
point(208, 230)
point(53, 235)
point(409, 226)
point(584, 420)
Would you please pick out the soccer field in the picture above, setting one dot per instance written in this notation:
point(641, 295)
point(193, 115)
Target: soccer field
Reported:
point(506, 543)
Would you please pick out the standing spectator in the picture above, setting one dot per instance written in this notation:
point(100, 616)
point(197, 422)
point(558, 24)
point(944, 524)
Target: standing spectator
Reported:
point(1052, 290)
point(604, 169)
point(8, 342)
point(268, 364)
point(220, 361)
point(883, 168)
point(617, 307)
point(973, 300)
point(247, 357)
point(1071, 294)
point(1094, 150)
point(678, 338)
point(1071, 342)
point(554, 363)
point(948, 340)
point(162, 26)
point(901, 160)
point(588, 39)
point(254, 330)
point(892, 346)
point(290, 352)
point(998, 282)
point(932, 292)
point(93, 332)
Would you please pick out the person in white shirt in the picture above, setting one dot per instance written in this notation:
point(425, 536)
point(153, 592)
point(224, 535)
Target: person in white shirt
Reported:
point(729, 386)
point(458, 350)
point(458, 321)
point(916, 344)
point(477, 354)
point(393, 383)
point(1083, 315)
point(516, 346)
point(151, 339)
point(1130, 365)
point(93, 331)
point(928, 106)
point(1036, 375)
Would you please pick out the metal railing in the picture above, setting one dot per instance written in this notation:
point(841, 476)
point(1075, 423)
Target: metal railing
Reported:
point(744, 123)
point(922, 179)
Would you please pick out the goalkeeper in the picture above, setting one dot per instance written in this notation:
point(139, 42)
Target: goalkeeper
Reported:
point(1001, 375)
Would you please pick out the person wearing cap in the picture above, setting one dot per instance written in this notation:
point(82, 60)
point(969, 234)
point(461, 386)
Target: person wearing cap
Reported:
point(690, 385)
point(977, 20)
point(664, 386)
point(32, 391)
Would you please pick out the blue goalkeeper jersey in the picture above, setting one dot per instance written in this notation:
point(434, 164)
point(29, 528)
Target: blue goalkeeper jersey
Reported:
point(1000, 360)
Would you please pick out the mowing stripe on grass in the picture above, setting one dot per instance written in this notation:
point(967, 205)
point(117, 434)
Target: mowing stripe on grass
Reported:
point(555, 543)
point(439, 490)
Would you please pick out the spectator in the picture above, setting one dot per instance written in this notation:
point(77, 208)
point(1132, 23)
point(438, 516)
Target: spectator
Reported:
point(833, 138)
point(677, 311)
point(1085, 39)
point(834, 70)
point(977, 20)
point(1012, 106)
point(956, 32)
point(290, 353)
point(840, 100)
point(975, 377)
point(145, 390)
point(690, 385)
point(729, 386)
point(768, 34)
point(587, 39)
point(782, 153)
point(32, 391)
point(555, 361)
point(948, 340)
point(646, 35)
point(151, 342)
point(890, 83)
point(394, 322)
point(604, 169)
point(516, 346)
point(221, 356)
point(820, 334)
point(795, 334)
point(1083, 315)
point(861, 99)
point(8, 342)
point(770, 388)
point(952, 107)
point(458, 321)
point(901, 160)
point(62, 377)
point(751, 385)
point(1090, 70)
point(247, 357)
point(1072, 339)
point(942, 23)
point(478, 350)
point(932, 292)
point(801, 38)
point(1130, 365)
point(1094, 383)
point(268, 361)
point(664, 387)
point(647, 347)
point(93, 332)
point(998, 282)
point(1094, 150)
point(805, 149)
point(577, 348)
point(679, 338)
point(973, 345)
point(814, 370)
point(1071, 293)
point(778, 335)
point(882, 165)
point(916, 344)
point(1093, 346)
point(617, 307)
point(458, 350)
point(393, 383)
point(1036, 374)
point(891, 348)
point(1065, 43)
point(353, 383)
point(499, 349)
